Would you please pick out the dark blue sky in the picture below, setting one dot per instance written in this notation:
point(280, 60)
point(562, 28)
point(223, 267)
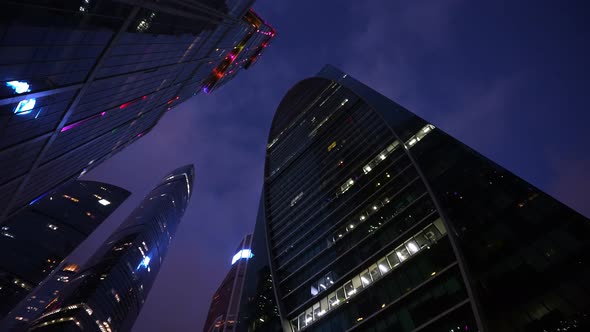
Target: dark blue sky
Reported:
point(509, 78)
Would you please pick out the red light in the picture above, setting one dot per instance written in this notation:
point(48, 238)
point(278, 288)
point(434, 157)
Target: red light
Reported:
point(131, 102)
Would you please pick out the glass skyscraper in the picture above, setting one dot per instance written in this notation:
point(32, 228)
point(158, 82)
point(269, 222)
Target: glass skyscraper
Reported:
point(109, 291)
point(225, 304)
point(376, 220)
point(36, 240)
point(258, 309)
point(81, 80)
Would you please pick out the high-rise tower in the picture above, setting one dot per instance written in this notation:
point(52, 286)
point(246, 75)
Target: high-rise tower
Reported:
point(37, 239)
point(110, 289)
point(81, 80)
point(225, 304)
point(258, 309)
point(377, 220)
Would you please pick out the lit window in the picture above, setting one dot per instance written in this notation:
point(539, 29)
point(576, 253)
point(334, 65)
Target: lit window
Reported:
point(402, 253)
point(366, 278)
point(384, 266)
point(296, 199)
point(412, 247)
point(73, 199)
point(52, 227)
point(346, 186)
point(104, 202)
point(332, 146)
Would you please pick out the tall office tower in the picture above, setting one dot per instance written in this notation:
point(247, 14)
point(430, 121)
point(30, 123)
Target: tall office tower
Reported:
point(223, 311)
point(379, 221)
point(42, 296)
point(37, 239)
point(258, 309)
point(81, 80)
point(110, 289)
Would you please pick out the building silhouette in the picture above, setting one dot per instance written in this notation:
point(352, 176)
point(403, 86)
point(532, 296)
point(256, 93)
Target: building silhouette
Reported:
point(109, 291)
point(37, 239)
point(376, 220)
point(225, 304)
point(81, 80)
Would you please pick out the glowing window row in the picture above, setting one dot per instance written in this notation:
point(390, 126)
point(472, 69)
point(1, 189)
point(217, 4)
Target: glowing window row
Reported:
point(421, 240)
point(386, 152)
point(364, 216)
point(419, 135)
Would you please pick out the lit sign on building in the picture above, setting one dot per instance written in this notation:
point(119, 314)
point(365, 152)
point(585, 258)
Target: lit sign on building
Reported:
point(24, 106)
point(244, 253)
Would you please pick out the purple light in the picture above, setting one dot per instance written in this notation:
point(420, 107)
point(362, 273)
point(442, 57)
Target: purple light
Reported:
point(76, 124)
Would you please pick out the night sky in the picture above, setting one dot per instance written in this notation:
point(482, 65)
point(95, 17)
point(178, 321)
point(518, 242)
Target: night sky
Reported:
point(508, 78)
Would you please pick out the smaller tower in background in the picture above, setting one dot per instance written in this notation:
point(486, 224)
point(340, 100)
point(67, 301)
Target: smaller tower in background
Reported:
point(224, 309)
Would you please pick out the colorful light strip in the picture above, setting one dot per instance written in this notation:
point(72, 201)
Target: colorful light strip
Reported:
point(76, 124)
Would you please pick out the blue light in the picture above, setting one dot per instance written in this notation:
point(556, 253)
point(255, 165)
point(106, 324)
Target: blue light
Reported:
point(18, 86)
point(24, 106)
point(244, 253)
point(37, 199)
point(144, 262)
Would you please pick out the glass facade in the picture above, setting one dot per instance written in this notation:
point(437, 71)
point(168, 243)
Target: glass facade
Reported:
point(109, 291)
point(81, 80)
point(30, 308)
point(378, 221)
point(36, 240)
point(225, 304)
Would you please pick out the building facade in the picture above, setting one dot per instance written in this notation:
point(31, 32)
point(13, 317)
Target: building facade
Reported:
point(378, 221)
point(110, 289)
point(30, 308)
point(81, 80)
point(37, 239)
point(225, 304)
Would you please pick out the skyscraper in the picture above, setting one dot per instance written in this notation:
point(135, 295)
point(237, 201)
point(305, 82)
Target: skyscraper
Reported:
point(33, 305)
point(223, 311)
point(37, 239)
point(110, 289)
point(377, 220)
point(81, 80)
point(258, 309)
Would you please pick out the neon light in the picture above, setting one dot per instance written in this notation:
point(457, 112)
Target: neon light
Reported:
point(76, 124)
point(244, 253)
point(38, 198)
point(131, 102)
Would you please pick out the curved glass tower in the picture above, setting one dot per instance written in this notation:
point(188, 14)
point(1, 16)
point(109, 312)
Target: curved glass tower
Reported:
point(378, 221)
point(36, 240)
point(109, 292)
